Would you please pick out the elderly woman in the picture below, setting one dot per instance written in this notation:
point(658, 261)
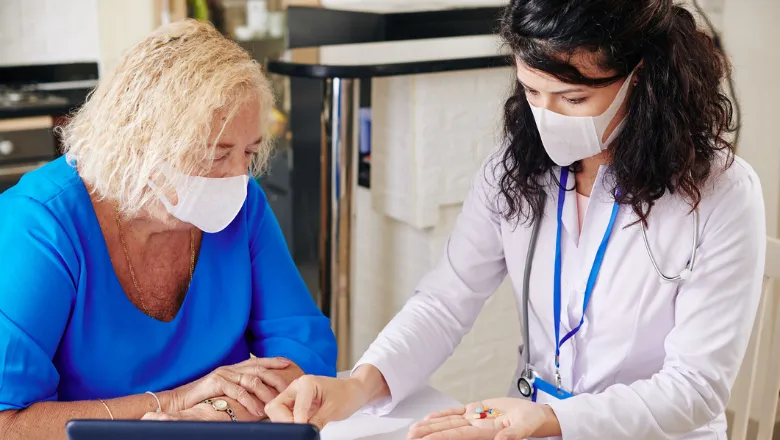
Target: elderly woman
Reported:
point(146, 266)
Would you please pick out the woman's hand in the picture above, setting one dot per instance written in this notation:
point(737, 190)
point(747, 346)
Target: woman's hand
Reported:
point(318, 401)
point(251, 383)
point(520, 419)
point(206, 413)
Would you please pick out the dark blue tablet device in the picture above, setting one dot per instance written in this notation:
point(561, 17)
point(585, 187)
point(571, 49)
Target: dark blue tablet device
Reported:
point(176, 430)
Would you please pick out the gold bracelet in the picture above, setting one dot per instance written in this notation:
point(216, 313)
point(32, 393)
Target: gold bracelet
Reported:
point(107, 409)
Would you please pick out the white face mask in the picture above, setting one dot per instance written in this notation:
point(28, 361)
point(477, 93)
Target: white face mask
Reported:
point(568, 139)
point(207, 203)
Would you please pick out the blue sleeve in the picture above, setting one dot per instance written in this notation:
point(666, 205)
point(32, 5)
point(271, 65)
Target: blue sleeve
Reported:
point(37, 291)
point(284, 320)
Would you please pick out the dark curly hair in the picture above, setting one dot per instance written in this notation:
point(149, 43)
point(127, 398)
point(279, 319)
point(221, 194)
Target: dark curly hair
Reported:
point(678, 116)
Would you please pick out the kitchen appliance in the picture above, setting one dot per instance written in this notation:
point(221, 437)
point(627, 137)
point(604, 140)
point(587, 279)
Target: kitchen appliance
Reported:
point(25, 144)
point(28, 96)
point(34, 101)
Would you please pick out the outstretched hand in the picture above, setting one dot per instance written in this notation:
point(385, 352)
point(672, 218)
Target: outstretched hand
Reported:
point(518, 419)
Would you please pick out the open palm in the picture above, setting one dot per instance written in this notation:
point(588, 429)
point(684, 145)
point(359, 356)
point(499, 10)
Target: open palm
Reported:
point(520, 419)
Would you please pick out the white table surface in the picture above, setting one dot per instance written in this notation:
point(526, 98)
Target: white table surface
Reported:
point(415, 407)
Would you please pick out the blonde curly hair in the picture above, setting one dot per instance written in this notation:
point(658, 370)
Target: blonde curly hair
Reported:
point(158, 107)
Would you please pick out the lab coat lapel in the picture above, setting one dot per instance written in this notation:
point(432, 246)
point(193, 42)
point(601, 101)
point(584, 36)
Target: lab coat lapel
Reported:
point(571, 226)
point(570, 254)
point(593, 229)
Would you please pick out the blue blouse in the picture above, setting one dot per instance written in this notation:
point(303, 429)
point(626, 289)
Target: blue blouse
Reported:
point(68, 331)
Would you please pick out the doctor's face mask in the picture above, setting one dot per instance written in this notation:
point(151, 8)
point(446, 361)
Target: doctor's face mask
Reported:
point(574, 121)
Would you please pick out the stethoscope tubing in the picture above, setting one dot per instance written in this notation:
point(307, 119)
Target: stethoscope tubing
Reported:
point(527, 372)
point(694, 245)
point(529, 261)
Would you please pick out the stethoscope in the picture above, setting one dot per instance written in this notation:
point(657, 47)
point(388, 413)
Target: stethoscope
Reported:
point(525, 384)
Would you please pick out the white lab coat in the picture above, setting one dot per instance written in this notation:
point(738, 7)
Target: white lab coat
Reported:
point(652, 360)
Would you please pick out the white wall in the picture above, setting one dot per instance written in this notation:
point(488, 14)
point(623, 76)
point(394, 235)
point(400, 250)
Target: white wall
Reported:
point(67, 31)
point(48, 32)
point(751, 35)
point(390, 258)
point(121, 24)
point(430, 133)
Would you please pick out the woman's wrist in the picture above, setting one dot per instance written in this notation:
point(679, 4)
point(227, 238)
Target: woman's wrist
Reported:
point(371, 384)
point(168, 402)
point(212, 414)
point(550, 427)
point(239, 412)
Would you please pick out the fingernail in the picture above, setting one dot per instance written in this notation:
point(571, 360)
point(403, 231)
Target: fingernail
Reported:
point(283, 360)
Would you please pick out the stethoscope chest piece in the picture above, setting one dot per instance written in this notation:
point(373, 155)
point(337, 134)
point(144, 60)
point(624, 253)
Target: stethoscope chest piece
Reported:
point(525, 384)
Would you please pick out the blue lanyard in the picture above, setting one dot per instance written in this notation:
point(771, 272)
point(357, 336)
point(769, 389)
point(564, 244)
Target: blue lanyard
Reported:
point(594, 272)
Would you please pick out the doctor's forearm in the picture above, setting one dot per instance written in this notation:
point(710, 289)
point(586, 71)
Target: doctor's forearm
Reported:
point(372, 382)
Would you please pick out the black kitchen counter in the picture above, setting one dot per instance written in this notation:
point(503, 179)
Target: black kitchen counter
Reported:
point(367, 60)
point(380, 70)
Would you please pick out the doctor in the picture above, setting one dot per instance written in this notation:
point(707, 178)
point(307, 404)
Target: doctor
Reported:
point(618, 205)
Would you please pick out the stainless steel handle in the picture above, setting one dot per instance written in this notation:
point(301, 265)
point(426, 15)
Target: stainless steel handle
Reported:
point(338, 162)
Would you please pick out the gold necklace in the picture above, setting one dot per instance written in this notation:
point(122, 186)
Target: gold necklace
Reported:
point(130, 265)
